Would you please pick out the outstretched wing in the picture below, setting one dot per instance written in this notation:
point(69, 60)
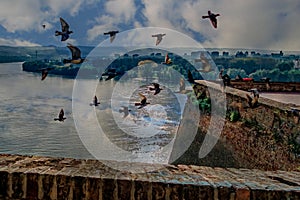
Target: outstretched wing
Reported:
point(76, 53)
point(61, 114)
point(143, 98)
point(156, 85)
point(64, 25)
point(167, 59)
point(214, 22)
point(44, 74)
point(158, 40)
point(112, 37)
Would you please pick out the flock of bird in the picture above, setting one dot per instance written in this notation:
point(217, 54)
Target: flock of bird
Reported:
point(77, 59)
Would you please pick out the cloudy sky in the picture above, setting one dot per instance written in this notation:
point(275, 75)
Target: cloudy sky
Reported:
point(258, 24)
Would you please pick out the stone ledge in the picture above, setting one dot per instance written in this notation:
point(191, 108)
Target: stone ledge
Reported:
point(35, 177)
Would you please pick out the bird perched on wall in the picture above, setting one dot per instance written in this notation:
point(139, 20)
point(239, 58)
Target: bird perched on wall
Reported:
point(124, 110)
point(61, 117)
point(253, 102)
point(143, 101)
point(168, 60)
point(296, 115)
point(206, 66)
point(112, 35)
point(65, 32)
point(159, 38)
point(95, 101)
point(212, 17)
point(254, 92)
point(225, 78)
point(45, 72)
point(156, 88)
point(267, 81)
point(76, 55)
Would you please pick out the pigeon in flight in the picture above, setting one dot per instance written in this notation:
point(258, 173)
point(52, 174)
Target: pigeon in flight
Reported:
point(190, 77)
point(147, 62)
point(95, 101)
point(206, 66)
point(76, 55)
point(168, 60)
point(45, 72)
point(61, 117)
point(112, 35)
point(143, 101)
point(125, 110)
point(65, 32)
point(158, 37)
point(212, 17)
point(156, 88)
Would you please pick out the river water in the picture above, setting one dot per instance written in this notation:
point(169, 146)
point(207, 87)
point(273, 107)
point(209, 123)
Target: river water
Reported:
point(28, 107)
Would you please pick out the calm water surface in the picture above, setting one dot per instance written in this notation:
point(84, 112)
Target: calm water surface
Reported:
point(29, 105)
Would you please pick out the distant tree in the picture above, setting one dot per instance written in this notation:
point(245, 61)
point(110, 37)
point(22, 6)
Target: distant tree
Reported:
point(232, 72)
point(285, 66)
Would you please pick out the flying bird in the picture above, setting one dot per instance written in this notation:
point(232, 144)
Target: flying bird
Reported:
point(44, 26)
point(190, 77)
point(65, 32)
point(76, 55)
point(212, 17)
point(95, 101)
point(143, 101)
point(112, 35)
point(125, 110)
point(168, 60)
point(156, 88)
point(145, 62)
point(158, 38)
point(45, 72)
point(206, 66)
point(61, 117)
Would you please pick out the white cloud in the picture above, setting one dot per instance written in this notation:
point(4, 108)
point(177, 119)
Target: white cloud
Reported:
point(270, 24)
point(19, 15)
point(116, 12)
point(16, 42)
point(28, 15)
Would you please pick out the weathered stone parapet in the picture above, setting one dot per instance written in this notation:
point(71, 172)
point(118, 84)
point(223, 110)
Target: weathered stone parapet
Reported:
point(34, 177)
point(269, 87)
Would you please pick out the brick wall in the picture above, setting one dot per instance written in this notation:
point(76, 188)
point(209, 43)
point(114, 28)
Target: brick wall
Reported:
point(34, 177)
